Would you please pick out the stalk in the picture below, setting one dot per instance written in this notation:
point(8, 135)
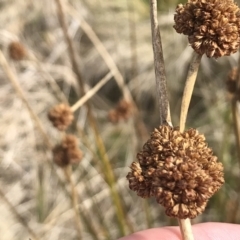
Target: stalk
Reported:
point(188, 89)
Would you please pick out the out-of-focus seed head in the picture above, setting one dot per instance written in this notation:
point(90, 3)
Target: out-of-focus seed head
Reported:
point(67, 152)
point(122, 111)
point(212, 27)
point(61, 116)
point(16, 51)
point(178, 169)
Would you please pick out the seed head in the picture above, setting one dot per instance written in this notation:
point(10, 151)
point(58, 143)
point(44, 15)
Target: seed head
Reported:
point(67, 152)
point(178, 169)
point(16, 51)
point(212, 26)
point(61, 116)
point(122, 111)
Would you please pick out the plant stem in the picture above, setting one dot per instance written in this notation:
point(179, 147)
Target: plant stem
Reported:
point(185, 224)
point(188, 89)
point(186, 229)
point(159, 66)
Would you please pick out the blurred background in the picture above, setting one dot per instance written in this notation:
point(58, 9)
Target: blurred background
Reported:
point(29, 188)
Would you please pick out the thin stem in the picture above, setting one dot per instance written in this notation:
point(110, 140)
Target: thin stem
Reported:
point(74, 197)
point(91, 92)
point(188, 89)
point(185, 224)
point(159, 65)
point(21, 220)
point(186, 229)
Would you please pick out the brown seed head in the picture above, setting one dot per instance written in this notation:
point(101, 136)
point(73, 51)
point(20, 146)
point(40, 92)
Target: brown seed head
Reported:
point(16, 51)
point(213, 26)
point(67, 152)
point(61, 116)
point(178, 169)
point(122, 111)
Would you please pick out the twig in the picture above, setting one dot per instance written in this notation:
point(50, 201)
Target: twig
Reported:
point(188, 89)
point(91, 92)
point(159, 65)
point(18, 216)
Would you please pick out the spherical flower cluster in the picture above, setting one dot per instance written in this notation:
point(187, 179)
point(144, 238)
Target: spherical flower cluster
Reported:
point(61, 116)
point(122, 111)
point(213, 26)
point(178, 169)
point(67, 152)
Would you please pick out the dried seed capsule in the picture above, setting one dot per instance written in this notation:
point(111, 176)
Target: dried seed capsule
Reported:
point(67, 152)
point(61, 116)
point(178, 169)
point(212, 27)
